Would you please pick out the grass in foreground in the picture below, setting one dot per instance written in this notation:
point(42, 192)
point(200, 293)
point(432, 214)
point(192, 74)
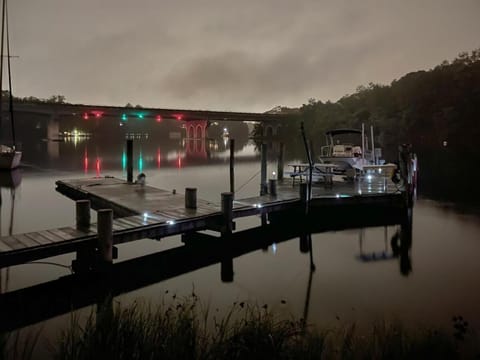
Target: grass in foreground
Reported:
point(187, 330)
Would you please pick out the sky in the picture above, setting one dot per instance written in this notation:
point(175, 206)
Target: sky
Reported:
point(249, 55)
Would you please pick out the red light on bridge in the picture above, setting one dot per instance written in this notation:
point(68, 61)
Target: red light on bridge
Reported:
point(85, 116)
point(158, 118)
point(179, 117)
point(97, 113)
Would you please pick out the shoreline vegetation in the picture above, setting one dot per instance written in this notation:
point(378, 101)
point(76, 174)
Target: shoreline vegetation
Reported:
point(187, 329)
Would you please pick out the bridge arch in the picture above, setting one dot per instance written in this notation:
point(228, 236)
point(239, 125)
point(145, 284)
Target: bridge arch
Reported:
point(190, 131)
point(196, 129)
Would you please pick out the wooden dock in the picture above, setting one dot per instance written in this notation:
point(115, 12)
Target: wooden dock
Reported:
point(143, 211)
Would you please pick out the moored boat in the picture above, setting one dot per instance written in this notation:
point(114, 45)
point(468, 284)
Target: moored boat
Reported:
point(348, 149)
point(10, 156)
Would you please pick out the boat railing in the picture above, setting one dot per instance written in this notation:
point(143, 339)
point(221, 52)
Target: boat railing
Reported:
point(325, 150)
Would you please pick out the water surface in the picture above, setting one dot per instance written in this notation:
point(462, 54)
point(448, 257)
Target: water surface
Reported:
point(442, 281)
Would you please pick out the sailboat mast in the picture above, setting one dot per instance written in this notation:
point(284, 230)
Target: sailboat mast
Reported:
point(1, 58)
point(10, 97)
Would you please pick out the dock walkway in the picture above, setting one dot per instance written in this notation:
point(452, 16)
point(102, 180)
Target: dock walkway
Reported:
point(148, 212)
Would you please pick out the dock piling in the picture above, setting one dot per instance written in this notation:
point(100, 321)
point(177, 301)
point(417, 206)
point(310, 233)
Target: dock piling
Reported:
point(129, 160)
point(105, 235)
point(82, 210)
point(272, 187)
point(280, 165)
point(304, 196)
point(190, 198)
point(232, 166)
point(227, 211)
point(263, 170)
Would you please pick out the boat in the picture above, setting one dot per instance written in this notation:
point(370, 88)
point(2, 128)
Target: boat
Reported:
point(348, 149)
point(10, 156)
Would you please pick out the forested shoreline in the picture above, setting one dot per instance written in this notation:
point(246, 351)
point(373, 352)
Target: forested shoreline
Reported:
point(424, 108)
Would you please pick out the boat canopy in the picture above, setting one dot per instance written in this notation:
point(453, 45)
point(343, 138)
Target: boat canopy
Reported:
point(343, 131)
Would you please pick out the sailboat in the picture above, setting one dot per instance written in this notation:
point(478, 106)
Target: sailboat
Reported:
point(10, 156)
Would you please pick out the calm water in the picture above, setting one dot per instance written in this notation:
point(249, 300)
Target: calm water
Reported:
point(445, 269)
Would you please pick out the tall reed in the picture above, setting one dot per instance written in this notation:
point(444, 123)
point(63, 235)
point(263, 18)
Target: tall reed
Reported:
point(185, 329)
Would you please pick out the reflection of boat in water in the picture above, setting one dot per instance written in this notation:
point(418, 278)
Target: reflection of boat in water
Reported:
point(225, 133)
point(10, 179)
point(9, 155)
point(348, 149)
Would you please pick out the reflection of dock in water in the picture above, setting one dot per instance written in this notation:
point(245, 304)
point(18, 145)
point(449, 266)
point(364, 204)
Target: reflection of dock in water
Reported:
point(129, 211)
point(40, 302)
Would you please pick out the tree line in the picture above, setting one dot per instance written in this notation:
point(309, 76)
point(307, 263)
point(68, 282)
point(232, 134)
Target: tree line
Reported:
point(425, 108)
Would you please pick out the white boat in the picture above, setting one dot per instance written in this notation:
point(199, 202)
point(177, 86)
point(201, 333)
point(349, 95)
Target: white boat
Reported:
point(348, 149)
point(10, 156)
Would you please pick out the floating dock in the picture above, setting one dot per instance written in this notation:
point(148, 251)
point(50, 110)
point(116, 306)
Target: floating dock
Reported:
point(142, 211)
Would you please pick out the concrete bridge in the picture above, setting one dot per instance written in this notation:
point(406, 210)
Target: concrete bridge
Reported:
point(195, 122)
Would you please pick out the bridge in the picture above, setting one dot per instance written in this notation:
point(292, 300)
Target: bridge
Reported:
point(195, 122)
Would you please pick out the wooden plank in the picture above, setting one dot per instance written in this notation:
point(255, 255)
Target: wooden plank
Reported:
point(4, 247)
point(38, 238)
point(59, 233)
point(130, 224)
point(137, 220)
point(50, 236)
point(144, 220)
point(122, 222)
point(74, 232)
point(13, 243)
point(117, 226)
point(28, 242)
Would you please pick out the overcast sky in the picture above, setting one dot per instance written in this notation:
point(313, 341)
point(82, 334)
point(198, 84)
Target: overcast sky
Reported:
point(248, 55)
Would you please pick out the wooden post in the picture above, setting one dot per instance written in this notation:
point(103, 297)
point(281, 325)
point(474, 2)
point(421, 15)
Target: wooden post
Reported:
point(264, 219)
point(374, 161)
point(129, 160)
point(190, 198)
point(263, 170)
point(272, 187)
point(304, 196)
point(85, 257)
point(227, 211)
point(405, 165)
point(82, 210)
point(280, 165)
point(105, 235)
point(232, 166)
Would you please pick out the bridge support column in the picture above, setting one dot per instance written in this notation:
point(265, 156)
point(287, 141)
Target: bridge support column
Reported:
point(53, 128)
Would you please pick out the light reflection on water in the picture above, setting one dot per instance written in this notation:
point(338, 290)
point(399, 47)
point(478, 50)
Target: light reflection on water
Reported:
point(445, 267)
